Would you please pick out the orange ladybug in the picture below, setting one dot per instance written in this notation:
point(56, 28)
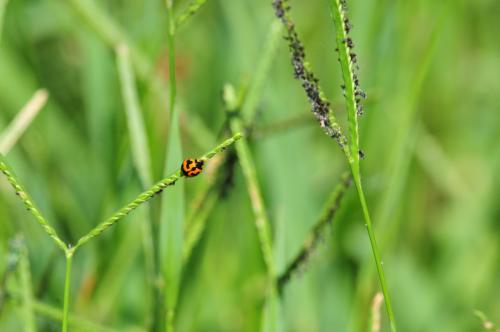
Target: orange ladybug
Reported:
point(191, 167)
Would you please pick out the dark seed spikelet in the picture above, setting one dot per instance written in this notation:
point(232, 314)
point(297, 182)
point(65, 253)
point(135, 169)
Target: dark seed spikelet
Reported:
point(359, 94)
point(320, 107)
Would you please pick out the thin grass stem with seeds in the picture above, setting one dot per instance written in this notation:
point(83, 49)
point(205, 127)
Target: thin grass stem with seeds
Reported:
point(150, 193)
point(324, 113)
point(311, 242)
point(248, 167)
point(353, 95)
point(30, 206)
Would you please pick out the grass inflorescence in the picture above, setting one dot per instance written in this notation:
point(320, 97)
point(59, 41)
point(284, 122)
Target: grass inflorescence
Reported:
point(324, 114)
point(320, 107)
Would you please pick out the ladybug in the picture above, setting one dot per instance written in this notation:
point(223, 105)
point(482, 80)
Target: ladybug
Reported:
point(191, 167)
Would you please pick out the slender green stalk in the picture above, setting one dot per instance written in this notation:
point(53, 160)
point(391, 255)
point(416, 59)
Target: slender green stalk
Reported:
point(173, 205)
point(171, 53)
point(248, 167)
point(18, 126)
point(103, 25)
point(135, 120)
point(67, 288)
point(140, 153)
point(375, 249)
point(261, 222)
point(352, 95)
point(399, 156)
point(191, 9)
point(270, 312)
point(23, 195)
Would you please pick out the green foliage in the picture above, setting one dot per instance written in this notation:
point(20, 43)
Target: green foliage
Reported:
point(429, 134)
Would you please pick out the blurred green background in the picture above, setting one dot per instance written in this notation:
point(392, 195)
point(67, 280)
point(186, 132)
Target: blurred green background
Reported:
point(430, 131)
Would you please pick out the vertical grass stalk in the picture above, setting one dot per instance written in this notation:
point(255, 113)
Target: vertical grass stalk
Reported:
point(270, 314)
point(353, 96)
point(172, 208)
point(140, 154)
point(67, 287)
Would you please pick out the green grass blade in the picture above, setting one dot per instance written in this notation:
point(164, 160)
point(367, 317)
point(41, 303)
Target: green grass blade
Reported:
point(266, 59)
point(135, 121)
point(140, 153)
point(89, 12)
point(270, 311)
point(247, 165)
point(22, 121)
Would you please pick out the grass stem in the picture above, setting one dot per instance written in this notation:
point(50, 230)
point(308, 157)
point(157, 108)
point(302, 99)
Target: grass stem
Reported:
point(173, 204)
point(328, 213)
point(353, 96)
point(374, 246)
point(23, 119)
point(67, 287)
